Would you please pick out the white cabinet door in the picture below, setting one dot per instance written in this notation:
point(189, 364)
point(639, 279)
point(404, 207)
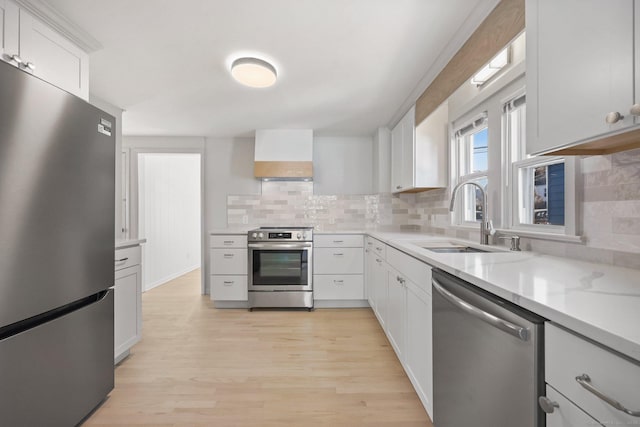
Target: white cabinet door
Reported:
point(229, 261)
point(380, 290)
point(338, 261)
point(55, 58)
point(431, 149)
point(369, 262)
point(396, 158)
point(408, 149)
point(419, 345)
point(567, 414)
point(127, 309)
point(580, 63)
point(338, 241)
point(229, 288)
point(338, 287)
point(396, 315)
point(9, 29)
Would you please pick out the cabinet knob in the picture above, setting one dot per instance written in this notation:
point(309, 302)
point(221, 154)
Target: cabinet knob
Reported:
point(16, 59)
point(635, 110)
point(398, 187)
point(547, 405)
point(613, 117)
point(30, 66)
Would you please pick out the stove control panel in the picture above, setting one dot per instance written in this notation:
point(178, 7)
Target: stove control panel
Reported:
point(272, 234)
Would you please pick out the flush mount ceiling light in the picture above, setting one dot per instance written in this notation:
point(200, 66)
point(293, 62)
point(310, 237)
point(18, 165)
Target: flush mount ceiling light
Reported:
point(491, 69)
point(253, 72)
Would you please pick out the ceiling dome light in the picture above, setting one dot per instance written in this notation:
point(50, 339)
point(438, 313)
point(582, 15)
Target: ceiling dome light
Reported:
point(253, 72)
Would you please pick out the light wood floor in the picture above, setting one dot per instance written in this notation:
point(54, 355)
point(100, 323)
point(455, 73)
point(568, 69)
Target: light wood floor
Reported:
point(200, 366)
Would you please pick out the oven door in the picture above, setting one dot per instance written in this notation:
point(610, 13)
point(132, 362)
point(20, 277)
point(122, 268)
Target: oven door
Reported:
point(280, 267)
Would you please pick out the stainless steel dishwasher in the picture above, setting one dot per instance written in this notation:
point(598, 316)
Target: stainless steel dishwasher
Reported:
point(487, 358)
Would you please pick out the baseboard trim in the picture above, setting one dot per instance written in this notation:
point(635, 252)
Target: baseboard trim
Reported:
point(341, 303)
point(170, 277)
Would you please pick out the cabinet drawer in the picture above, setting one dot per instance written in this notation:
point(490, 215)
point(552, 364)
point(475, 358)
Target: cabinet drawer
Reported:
point(338, 287)
point(376, 247)
point(338, 261)
point(228, 241)
point(229, 288)
point(126, 257)
point(416, 271)
point(229, 261)
point(566, 414)
point(568, 356)
point(338, 241)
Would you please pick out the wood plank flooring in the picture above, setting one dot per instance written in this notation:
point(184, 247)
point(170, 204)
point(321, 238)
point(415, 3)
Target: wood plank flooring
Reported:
point(200, 366)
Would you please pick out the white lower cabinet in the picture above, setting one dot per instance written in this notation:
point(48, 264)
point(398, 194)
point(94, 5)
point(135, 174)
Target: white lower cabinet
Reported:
point(338, 270)
point(396, 314)
point(587, 375)
point(229, 263)
point(566, 414)
point(399, 289)
point(127, 304)
point(419, 347)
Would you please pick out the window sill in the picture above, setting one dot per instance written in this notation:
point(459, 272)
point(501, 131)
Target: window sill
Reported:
point(540, 235)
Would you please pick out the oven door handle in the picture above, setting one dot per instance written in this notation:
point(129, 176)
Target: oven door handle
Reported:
point(279, 245)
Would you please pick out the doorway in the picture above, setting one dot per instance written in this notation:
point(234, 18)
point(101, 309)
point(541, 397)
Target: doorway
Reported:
point(169, 205)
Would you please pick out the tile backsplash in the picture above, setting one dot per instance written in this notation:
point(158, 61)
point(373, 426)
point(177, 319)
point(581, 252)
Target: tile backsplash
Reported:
point(609, 211)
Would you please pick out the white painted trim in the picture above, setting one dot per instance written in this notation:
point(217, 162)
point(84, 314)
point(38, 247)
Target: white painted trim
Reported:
point(170, 277)
point(468, 27)
point(341, 303)
point(61, 24)
point(540, 236)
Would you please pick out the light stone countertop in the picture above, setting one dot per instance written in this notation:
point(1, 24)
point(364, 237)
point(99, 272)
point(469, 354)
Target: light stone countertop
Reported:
point(599, 301)
point(121, 244)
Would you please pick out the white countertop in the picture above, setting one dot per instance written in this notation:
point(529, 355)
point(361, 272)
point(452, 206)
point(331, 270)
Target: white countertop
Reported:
point(121, 244)
point(599, 301)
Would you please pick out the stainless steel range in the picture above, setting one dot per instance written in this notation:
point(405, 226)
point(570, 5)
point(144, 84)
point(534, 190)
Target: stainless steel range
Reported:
point(280, 267)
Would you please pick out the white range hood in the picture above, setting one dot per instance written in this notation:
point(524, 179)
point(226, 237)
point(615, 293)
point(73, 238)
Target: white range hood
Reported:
point(284, 154)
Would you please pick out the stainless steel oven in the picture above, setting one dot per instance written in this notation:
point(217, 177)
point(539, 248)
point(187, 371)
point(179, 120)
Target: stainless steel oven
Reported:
point(280, 267)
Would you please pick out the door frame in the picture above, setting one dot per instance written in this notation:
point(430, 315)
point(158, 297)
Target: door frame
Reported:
point(133, 192)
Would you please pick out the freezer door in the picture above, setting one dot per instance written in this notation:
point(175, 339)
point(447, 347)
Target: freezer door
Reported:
point(57, 190)
point(56, 373)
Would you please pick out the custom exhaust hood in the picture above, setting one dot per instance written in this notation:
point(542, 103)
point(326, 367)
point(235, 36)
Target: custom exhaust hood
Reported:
point(284, 154)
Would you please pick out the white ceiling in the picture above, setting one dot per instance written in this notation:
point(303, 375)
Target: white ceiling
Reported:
point(345, 67)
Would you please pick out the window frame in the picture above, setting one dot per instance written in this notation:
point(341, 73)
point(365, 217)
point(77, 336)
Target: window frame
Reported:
point(475, 124)
point(514, 159)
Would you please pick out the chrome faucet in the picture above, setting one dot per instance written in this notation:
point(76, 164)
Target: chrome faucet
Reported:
point(486, 228)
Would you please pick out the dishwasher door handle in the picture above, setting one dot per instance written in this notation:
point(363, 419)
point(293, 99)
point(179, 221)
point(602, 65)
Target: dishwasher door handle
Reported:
point(502, 324)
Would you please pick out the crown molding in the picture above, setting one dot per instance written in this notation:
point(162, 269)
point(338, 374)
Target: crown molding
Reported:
point(63, 25)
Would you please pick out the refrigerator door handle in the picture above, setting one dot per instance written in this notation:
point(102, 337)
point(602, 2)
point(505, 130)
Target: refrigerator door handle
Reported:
point(502, 324)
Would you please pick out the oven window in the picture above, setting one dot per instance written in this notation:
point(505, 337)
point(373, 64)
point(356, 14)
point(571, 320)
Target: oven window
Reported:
point(280, 267)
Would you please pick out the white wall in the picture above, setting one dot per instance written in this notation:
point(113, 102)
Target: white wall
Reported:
point(228, 170)
point(169, 213)
point(342, 165)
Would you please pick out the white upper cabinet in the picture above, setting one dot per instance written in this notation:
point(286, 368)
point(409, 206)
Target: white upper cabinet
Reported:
point(580, 72)
point(42, 51)
point(9, 28)
point(419, 154)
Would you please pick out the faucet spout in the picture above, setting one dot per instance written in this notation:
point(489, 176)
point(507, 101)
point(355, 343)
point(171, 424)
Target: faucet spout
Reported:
point(485, 227)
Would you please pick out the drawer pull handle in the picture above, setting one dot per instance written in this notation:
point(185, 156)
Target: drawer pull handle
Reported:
point(121, 260)
point(338, 282)
point(378, 248)
point(228, 282)
point(547, 405)
point(338, 254)
point(585, 381)
point(228, 242)
point(379, 261)
point(228, 255)
point(338, 241)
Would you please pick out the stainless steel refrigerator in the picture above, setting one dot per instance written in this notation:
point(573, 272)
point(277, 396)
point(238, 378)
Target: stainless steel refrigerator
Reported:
point(57, 155)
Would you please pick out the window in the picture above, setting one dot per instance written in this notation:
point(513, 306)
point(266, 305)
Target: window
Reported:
point(536, 186)
point(471, 143)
